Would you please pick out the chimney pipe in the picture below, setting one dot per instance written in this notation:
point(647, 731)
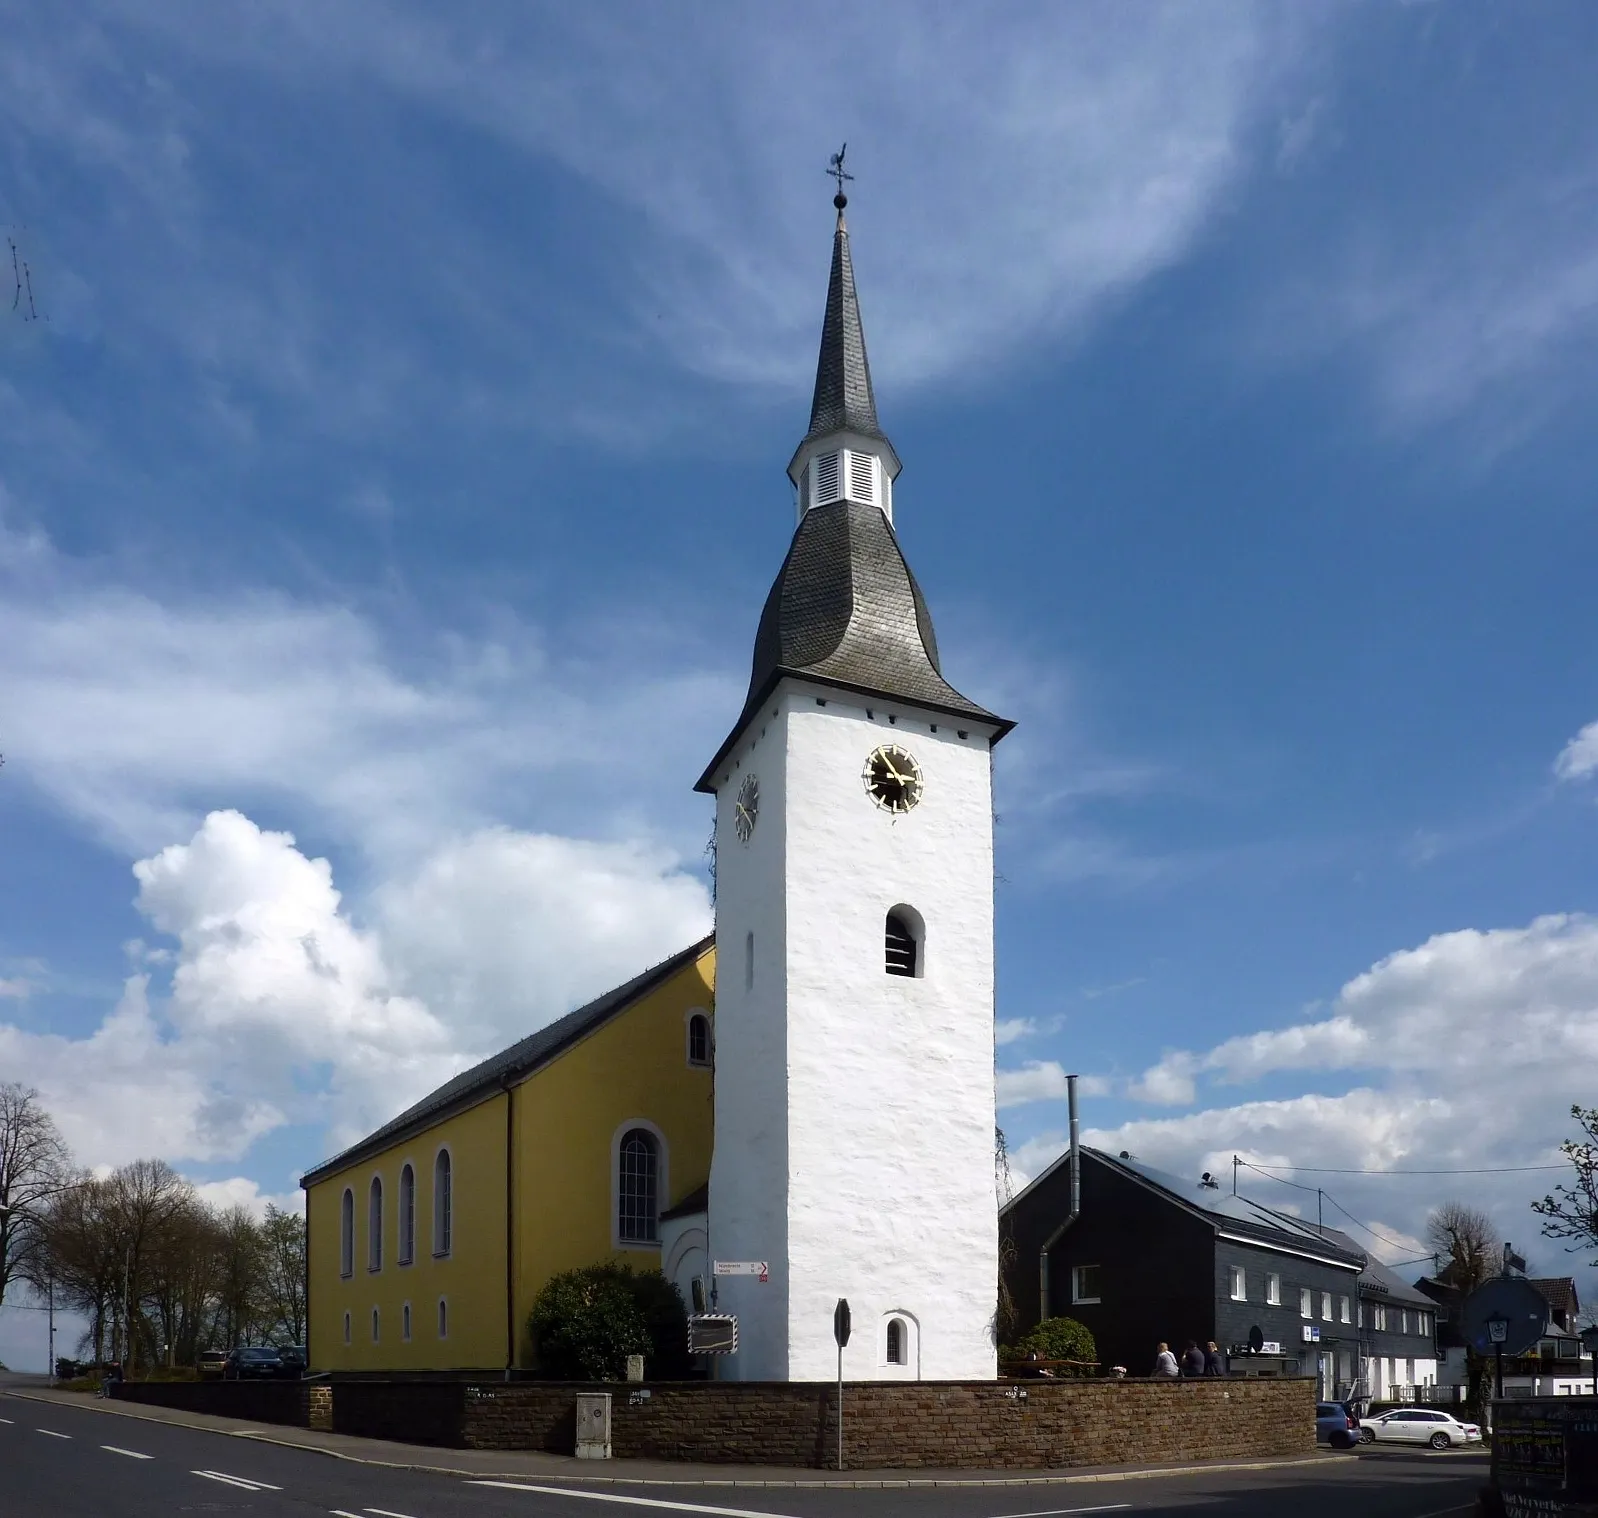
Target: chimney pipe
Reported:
point(1076, 1201)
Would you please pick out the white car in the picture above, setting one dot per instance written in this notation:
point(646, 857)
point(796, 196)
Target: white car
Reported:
point(1418, 1425)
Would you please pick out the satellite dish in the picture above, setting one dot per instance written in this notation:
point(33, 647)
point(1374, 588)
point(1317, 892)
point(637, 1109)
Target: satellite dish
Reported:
point(1509, 1301)
point(1256, 1338)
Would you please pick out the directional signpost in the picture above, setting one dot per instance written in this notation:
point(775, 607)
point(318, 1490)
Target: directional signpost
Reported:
point(840, 1332)
point(757, 1268)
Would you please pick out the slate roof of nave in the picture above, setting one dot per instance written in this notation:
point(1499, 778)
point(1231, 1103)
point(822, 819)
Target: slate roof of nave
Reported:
point(510, 1065)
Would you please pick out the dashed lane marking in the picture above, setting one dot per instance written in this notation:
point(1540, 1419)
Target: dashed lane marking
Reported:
point(1058, 1512)
point(52, 1433)
point(246, 1482)
point(132, 1454)
point(677, 1507)
point(383, 1512)
point(7, 1420)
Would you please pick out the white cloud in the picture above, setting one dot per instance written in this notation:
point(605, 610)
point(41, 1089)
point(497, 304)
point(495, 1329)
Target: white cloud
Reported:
point(1042, 1081)
point(1015, 176)
point(14, 989)
point(240, 1191)
point(278, 1008)
point(1578, 760)
point(1007, 1030)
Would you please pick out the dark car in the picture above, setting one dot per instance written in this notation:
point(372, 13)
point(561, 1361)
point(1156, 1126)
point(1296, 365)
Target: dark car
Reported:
point(1335, 1425)
point(292, 1359)
point(252, 1362)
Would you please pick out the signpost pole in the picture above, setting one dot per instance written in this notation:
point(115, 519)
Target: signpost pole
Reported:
point(840, 1334)
point(840, 1407)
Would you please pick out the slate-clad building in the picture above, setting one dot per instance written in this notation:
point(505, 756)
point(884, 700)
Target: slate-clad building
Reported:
point(1151, 1256)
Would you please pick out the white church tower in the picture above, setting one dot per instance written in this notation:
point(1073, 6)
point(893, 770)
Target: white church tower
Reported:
point(854, 1115)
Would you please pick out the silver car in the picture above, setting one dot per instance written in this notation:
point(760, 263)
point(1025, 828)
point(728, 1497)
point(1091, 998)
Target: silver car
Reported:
point(1418, 1425)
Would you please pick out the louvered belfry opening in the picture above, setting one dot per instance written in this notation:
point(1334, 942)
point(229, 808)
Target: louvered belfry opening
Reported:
point(900, 944)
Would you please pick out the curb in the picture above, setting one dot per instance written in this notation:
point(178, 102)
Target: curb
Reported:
point(820, 1483)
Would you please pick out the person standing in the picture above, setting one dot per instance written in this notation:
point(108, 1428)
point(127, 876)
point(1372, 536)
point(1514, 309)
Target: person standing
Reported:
point(1165, 1362)
point(1192, 1359)
point(1214, 1360)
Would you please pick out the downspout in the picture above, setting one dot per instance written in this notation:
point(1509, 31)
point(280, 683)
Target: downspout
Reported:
point(1076, 1202)
point(510, 1231)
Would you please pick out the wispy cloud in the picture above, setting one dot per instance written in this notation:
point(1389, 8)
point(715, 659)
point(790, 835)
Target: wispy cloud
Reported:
point(1578, 759)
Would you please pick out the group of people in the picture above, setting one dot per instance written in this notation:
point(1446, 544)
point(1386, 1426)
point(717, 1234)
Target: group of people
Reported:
point(1208, 1361)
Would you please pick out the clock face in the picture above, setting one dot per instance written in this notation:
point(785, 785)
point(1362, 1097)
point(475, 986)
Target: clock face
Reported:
point(893, 778)
point(746, 807)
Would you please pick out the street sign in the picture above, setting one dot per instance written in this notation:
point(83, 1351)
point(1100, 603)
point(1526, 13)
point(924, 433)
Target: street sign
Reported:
point(1516, 1303)
point(1497, 1330)
point(757, 1268)
point(840, 1322)
point(1312, 1333)
point(712, 1333)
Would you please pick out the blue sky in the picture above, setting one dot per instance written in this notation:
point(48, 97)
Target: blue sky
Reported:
point(393, 474)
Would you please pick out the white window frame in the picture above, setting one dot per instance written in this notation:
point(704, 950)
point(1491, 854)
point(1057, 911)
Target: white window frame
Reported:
point(1326, 1307)
point(443, 1212)
point(346, 1233)
point(405, 1219)
point(909, 1368)
point(1345, 1310)
point(1239, 1283)
point(1076, 1285)
point(374, 1224)
point(1306, 1302)
point(662, 1182)
point(708, 1062)
point(1273, 1289)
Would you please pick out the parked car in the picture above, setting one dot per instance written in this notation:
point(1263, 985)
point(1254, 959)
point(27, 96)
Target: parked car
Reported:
point(1335, 1425)
point(252, 1362)
point(212, 1363)
point(1419, 1425)
point(292, 1357)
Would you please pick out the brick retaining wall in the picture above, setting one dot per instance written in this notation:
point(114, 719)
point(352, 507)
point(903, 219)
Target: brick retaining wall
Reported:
point(290, 1402)
point(887, 1425)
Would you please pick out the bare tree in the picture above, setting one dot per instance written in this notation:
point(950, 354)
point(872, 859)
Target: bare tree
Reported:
point(1467, 1237)
point(1571, 1212)
point(283, 1234)
point(80, 1252)
point(34, 1167)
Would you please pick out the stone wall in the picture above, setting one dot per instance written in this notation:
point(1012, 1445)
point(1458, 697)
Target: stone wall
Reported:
point(287, 1402)
point(887, 1425)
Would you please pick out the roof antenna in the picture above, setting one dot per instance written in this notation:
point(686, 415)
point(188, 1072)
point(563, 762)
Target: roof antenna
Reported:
point(839, 173)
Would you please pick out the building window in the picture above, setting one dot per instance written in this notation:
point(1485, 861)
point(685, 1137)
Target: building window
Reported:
point(374, 1225)
point(346, 1328)
point(637, 1189)
point(443, 1318)
point(902, 939)
point(1403, 1319)
point(1085, 1283)
point(1381, 1317)
point(1326, 1307)
point(407, 1216)
point(898, 1353)
point(1306, 1303)
point(405, 1322)
point(374, 1325)
point(1344, 1312)
point(1273, 1290)
point(698, 1039)
point(1363, 1315)
point(1239, 1284)
point(749, 961)
point(443, 1203)
point(346, 1234)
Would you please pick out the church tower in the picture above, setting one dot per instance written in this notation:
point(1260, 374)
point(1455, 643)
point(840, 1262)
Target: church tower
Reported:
point(854, 1110)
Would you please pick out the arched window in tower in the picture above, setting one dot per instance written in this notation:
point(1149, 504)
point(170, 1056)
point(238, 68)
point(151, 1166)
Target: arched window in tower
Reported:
point(374, 1225)
point(902, 940)
point(443, 1203)
point(896, 1346)
point(637, 1189)
point(698, 1039)
point(346, 1234)
point(407, 1216)
point(749, 961)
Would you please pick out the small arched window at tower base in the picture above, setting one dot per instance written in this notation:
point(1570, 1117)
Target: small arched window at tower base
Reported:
point(899, 1344)
point(904, 942)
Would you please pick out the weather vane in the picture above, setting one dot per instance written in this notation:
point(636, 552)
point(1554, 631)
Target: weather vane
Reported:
point(838, 172)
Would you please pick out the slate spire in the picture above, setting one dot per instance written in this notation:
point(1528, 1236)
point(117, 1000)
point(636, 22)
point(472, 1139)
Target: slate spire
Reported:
point(843, 401)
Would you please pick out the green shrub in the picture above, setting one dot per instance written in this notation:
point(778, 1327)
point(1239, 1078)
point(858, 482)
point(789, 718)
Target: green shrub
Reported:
point(585, 1323)
point(1058, 1339)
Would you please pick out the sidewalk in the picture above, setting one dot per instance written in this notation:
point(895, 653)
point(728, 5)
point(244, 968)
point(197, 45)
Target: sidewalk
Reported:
point(520, 1465)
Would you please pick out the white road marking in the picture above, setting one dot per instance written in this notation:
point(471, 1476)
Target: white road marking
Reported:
point(383, 1512)
point(339, 1512)
point(1056, 1512)
point(52, 1433)
point(132, 1454)
point(7, 1420)
point(248, 1483)
point(678, 1507)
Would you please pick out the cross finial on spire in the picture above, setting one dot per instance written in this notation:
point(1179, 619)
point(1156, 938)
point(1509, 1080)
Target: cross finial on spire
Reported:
point(838, 172)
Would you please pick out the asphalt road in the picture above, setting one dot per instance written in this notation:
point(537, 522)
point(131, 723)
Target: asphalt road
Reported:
point(63, 1462)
